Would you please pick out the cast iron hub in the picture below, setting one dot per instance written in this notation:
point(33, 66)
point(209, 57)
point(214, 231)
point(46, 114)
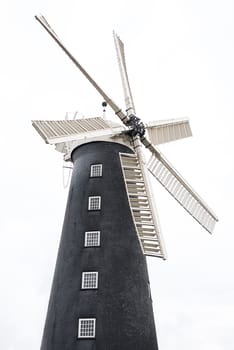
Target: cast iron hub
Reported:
point(136, 127)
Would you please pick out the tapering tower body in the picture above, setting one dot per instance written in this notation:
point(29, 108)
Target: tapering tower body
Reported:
point(100, 297)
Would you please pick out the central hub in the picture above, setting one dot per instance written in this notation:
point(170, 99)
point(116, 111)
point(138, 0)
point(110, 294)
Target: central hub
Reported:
point(136, 126)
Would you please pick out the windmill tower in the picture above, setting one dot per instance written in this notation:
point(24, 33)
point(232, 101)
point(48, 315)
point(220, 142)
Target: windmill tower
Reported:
point(100, 297)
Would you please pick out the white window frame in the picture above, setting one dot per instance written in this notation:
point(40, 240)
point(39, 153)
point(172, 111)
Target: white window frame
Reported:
point(81, 331)
point(92, 239)
point(96, 170)
point(90, 206)
point(87, 283)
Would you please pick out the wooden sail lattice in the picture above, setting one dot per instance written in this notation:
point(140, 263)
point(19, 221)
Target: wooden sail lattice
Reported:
point(168, 130)
point(56, 131)
point(173, 182)
point(147, 229)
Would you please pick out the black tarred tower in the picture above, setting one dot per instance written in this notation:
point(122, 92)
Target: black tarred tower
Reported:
point(100, 297)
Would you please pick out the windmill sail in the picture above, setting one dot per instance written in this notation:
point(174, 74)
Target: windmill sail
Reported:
point(130, 108)
point(168, 130)
point(137, 183)
point(174, 183)
point(146, 224)
point(56, 131)
point(48, 28)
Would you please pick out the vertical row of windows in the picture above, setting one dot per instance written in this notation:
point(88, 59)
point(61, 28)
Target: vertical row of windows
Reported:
point(95, 201)
point(87, 326)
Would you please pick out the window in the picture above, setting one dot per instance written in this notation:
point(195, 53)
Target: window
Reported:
point(94, 203)
point(89, 280)
point(96, 170)
point(92, 239)
point(86, 328)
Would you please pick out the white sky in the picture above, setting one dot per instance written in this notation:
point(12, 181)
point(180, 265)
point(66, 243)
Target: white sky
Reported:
point(180, 58)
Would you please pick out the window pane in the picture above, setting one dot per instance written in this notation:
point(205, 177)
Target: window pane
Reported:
point(94, 203)
point(89, 280)
point(92, 239)
point(96, 170)
point(86, 328)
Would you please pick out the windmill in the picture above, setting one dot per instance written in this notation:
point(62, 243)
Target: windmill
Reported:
point(100, 297)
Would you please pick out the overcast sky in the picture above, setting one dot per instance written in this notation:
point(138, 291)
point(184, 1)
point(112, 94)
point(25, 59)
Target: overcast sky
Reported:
point(180, 58)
